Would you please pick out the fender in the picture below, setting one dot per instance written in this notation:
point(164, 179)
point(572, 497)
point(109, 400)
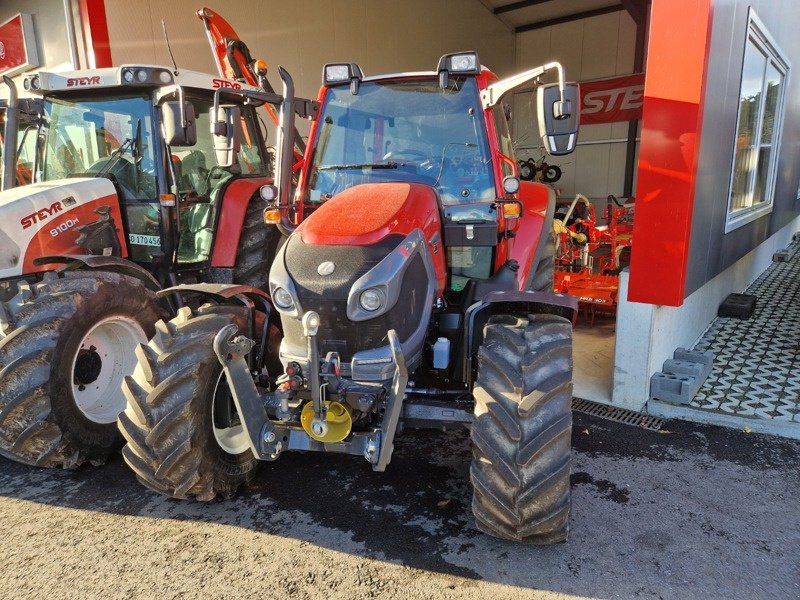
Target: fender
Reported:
point(235, 199)
point(114, 264)
point(539, 203)
point(221, 293)
point(259, 310)
point(493, 303)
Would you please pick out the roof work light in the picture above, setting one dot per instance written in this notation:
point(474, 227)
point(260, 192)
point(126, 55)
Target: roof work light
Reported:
point(340, 73)
point(463, 63)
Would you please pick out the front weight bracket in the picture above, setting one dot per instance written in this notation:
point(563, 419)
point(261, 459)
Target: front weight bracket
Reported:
point(231, 352)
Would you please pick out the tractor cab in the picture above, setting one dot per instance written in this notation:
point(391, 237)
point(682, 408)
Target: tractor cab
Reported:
point(148, 130)
point(410, 129)
point(446, 129)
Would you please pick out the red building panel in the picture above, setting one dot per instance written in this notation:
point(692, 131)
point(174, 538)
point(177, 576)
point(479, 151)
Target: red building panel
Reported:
point(95, 27)
point(677, 55)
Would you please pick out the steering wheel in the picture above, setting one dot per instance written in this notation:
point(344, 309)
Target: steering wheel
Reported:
point(121, 167)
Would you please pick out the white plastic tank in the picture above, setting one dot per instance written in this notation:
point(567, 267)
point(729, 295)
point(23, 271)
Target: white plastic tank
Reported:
point(441, 353)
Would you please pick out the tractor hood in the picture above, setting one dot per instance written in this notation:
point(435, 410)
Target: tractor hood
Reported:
point(366, 214)
point(384, 238)
point(44, 219)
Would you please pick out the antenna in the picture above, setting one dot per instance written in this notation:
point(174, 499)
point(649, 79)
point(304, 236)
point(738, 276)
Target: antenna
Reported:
point(169, 48)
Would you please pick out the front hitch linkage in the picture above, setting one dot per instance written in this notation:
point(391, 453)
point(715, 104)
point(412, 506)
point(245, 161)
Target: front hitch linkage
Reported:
point(267, 439)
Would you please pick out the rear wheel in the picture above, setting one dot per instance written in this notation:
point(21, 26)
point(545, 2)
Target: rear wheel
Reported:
point(521, 433)
point(258, 244)
point(62, 360)
point(542, 277)
point(184, 438)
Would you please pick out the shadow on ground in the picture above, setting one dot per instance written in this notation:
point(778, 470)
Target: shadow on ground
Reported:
point(697, 509)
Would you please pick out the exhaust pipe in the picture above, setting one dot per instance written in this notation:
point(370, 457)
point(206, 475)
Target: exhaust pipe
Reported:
point(285, 159)
point(10, 137)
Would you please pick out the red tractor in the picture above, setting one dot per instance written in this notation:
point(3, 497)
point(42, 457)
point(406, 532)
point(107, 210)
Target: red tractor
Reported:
point(414, 290)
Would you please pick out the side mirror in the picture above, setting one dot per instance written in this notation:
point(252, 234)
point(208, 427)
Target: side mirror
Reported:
point(226, 131)
point(558, 119)
point(175, 134)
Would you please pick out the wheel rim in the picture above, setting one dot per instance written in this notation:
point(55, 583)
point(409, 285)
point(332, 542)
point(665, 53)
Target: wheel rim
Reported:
point(231, 437)
point(105, 355)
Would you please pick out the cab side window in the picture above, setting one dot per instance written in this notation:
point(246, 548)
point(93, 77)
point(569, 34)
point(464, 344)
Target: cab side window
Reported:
point(196, 171)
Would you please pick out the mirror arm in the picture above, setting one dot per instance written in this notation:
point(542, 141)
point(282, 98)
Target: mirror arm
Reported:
point(182, 109)
point(215, 113)
point(493, 94)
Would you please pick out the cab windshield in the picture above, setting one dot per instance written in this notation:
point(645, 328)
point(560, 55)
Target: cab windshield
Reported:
point(407, 130)
point(92, 137)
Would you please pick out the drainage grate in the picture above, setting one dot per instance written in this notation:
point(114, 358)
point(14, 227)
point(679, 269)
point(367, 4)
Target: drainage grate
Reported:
point(620, 415)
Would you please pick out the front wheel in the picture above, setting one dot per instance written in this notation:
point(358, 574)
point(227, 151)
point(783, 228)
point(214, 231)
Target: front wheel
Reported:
point(184, 438)
point(522, 429)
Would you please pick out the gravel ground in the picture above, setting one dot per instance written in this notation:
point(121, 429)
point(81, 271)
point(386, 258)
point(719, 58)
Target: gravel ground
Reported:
point(698, 512)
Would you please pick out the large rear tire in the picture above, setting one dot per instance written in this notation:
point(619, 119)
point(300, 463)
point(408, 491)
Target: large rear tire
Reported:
point(63, 356)
point(183, 439)
point(542, 276)
point(258, 244)
point(521, 433)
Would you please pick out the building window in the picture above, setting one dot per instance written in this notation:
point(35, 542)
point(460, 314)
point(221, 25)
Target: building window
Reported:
point(759, 124)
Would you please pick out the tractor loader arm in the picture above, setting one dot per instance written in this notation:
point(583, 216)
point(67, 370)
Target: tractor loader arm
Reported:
point(234, 61)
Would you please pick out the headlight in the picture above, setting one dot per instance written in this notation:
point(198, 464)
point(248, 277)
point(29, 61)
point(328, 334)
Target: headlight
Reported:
point(141, 75)
point(282, 298)
point(127, 76)
point(371, 299)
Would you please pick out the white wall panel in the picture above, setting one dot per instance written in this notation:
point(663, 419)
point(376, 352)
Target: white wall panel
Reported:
point(380, 35)
point(588, 49)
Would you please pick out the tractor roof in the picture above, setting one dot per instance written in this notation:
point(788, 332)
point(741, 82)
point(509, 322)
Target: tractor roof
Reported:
point(127, 76)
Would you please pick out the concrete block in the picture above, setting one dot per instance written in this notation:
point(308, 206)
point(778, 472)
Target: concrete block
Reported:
point(681, 376)
point(738, 306)
point(704, 358)
point(786, 254)
point(676, 389)
point(781, 256)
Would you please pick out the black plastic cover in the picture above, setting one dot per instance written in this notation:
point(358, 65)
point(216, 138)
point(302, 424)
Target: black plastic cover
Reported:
point(470, 233)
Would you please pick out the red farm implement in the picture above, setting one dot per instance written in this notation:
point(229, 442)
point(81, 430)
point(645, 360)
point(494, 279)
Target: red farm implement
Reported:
point(589, 256)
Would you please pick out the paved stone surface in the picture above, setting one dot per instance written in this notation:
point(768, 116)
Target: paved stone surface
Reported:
point(698, 512)
point(756, 373)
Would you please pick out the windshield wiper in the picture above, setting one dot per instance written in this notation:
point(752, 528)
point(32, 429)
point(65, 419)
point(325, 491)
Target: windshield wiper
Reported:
point(379, 165)
point(116, 154)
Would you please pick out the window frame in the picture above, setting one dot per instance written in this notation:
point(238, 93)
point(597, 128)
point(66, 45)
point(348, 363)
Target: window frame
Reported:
point(762, 40)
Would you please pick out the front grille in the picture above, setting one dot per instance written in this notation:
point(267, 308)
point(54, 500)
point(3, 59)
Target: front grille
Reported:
point(337, 333)
point(302, 261)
